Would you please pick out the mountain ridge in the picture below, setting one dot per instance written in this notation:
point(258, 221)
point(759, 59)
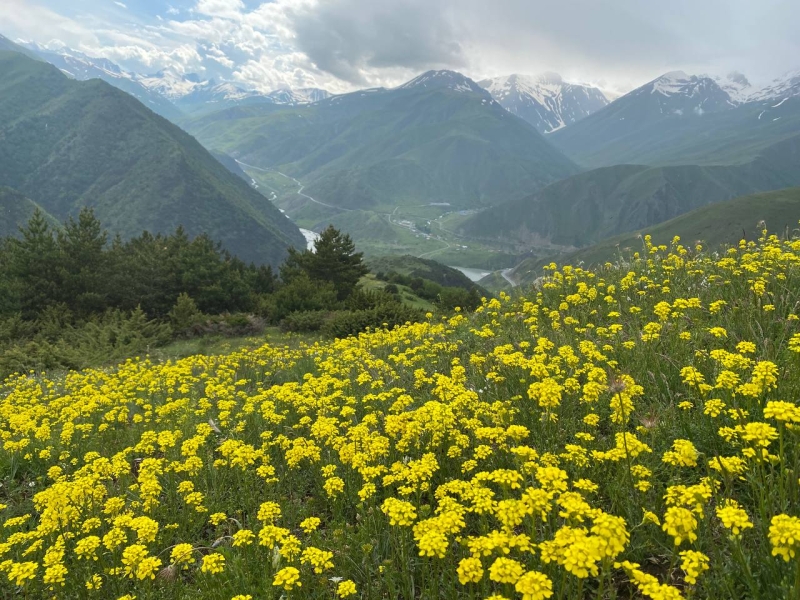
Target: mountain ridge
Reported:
point(545, 101)
point(67, 144)
point(607, 201)
point(437, 138)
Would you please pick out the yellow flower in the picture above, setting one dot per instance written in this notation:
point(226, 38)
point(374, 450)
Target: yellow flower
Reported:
point(400, 512)
point(217, 518)
point(784, 535)
point(534, 586)
point(138, 564)
point(505, 570)
point(470, 570)
point(19, 573)
point(681, 524)
point(346, 588)
point(288, 578)
point(693, 563)
point(243, 537)
point(213, 563)
point(318, 559)
point(182, 554)
point(310, 524)
point(733, 517)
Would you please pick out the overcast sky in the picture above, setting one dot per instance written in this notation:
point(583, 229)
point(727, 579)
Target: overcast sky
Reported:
point(347, 44)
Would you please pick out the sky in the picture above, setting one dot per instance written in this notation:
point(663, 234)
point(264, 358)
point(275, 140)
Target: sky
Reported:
point(343, 45)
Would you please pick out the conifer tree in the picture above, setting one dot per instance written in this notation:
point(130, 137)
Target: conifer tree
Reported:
point(334, 259)
point(33, 261)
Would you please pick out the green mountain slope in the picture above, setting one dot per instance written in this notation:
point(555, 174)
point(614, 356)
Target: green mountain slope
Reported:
point(425, 268)
point(630, 130)
point(439, 138)
point(7, 45)
point(591, 206)
point(15, 211)
point(723, 223)
point(67, 144)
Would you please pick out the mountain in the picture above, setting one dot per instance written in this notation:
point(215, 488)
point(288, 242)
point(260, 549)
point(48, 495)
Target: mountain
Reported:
point(412, 266)
point(439, 138)
point(15, 211)
point(211, 96)
point(600, 203)
point(194, 96)
point(297, 96)
point(722, 223)
point(82, 67)
point(787, 86)
point(167, 92)
point(67, 144)
point(547, 102)
point(737, 86)
point(7, 44)
point(681, 119)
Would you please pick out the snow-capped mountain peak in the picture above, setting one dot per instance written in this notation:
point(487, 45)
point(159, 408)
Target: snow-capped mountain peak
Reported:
point(546, 101)
point(170, 83)
point(786, 86)
point(736, 85)
point(298, 96)
point(674, 82)
point(444, 79)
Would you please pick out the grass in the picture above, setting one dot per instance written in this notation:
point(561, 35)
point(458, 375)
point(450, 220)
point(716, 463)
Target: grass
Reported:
point(624, 432)
point(715, 225)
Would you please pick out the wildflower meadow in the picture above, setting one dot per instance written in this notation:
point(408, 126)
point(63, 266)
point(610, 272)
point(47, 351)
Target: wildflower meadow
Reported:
point(623, 432)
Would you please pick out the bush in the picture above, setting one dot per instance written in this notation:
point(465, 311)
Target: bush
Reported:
point(302, 295)
point(185, 315)
point(345, 324)
point(310, 320)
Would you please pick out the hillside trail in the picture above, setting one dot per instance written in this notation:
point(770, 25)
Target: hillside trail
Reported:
point(300, 188)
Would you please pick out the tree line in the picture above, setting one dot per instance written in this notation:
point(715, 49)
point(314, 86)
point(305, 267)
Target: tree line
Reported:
point(72, 295)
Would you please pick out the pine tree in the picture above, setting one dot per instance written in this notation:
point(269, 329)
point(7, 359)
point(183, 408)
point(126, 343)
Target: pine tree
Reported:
point(33, 263)
point(334, 259)
point(84, 262)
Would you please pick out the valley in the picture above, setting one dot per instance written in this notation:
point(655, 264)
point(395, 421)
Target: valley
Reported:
point(425, 230)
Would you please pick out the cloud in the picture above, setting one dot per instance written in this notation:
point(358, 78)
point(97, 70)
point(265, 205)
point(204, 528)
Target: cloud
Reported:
point(225, 9)
point(122, 4)
point(351, 38)
point(620, 40)
point(342, 44)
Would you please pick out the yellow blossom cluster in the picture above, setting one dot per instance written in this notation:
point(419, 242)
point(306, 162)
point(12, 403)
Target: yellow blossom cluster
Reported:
point(547, 445)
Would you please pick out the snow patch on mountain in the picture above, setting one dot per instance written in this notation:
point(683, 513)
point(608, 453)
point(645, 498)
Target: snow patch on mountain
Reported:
point(443, 79)
point(786, 86)
point(546, 101)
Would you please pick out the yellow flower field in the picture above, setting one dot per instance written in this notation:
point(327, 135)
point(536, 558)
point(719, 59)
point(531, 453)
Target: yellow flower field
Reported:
point(628, 432)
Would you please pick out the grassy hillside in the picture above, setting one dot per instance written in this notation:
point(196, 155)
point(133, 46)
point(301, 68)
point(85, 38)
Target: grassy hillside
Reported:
point(7, 45)
point(628, 433)
point(589, 207)
point(723, 223)
point(15, 210)
point(440, 140)
point(421, 267)
point(726, 137)
point(67, 144)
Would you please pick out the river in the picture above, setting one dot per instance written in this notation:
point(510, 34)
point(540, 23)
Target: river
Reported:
point(473, 274)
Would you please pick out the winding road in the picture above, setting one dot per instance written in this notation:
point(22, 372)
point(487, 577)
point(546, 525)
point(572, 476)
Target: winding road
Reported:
point(300, 188)
point(507, 277)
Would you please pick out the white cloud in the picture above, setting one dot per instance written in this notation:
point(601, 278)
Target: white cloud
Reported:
point(341, 44)
point(225, 9)
point(122, 4)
